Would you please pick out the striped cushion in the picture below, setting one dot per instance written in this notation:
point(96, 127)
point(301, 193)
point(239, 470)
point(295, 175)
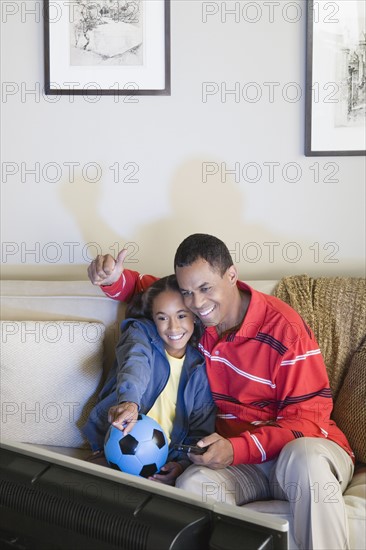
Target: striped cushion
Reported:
point(350, 407)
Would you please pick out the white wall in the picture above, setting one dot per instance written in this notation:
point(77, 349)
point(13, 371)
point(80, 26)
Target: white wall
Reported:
point(273, 227)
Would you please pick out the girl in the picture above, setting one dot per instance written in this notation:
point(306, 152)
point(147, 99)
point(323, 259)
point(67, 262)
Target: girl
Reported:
point(158, 372)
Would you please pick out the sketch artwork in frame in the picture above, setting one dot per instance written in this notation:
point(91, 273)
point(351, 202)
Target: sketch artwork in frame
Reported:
point(336, 78)
point(107, 47)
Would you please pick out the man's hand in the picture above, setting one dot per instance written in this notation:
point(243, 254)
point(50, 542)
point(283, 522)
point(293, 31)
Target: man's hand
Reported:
point(218, 455)
point(123, 416)
point(105, 270)
point(171, 471)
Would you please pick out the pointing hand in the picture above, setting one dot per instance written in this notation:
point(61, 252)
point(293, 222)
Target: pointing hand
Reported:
point(105, 270)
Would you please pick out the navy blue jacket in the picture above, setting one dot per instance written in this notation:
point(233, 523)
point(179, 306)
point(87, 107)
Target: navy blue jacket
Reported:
point(140, 374)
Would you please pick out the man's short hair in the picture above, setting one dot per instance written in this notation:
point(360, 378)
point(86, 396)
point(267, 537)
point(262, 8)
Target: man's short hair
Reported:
point(207, 247)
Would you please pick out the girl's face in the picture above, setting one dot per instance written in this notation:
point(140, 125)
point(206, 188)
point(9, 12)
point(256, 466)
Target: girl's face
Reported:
point(174, 322)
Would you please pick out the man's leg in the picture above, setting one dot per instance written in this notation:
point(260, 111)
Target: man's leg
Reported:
point(232, 485)
point(312, 474)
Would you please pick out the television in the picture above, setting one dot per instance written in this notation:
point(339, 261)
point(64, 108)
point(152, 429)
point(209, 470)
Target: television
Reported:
point(49, 501)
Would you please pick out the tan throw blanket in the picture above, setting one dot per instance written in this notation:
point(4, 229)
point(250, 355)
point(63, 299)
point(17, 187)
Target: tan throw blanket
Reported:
point(335, 309)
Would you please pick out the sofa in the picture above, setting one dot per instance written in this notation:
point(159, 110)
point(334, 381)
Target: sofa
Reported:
point(57, 345)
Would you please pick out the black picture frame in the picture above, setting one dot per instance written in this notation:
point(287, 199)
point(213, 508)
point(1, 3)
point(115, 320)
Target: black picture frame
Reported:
point(335, 85)
point(152, 77)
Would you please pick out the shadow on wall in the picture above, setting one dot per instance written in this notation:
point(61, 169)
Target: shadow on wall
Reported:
point(201, 201)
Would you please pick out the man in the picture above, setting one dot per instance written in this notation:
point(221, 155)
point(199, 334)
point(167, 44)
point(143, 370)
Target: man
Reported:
point(268, 379)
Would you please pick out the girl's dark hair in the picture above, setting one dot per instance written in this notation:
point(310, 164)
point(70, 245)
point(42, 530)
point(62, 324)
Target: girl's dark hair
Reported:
point(141, 305)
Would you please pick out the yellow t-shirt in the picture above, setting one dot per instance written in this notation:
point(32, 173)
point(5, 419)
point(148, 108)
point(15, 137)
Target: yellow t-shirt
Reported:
point(163, 410)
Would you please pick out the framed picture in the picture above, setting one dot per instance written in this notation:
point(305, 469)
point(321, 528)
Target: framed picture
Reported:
point(107, 47)
point(336, 78)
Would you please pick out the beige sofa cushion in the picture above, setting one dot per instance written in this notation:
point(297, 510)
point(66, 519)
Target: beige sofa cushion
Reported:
point(63, 300)
point(50, 373)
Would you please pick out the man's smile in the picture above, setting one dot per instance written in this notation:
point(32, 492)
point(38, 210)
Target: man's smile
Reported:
point(205, 312)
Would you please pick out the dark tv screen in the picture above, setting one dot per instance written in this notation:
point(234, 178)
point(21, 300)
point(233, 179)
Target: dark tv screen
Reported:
point(52, 502)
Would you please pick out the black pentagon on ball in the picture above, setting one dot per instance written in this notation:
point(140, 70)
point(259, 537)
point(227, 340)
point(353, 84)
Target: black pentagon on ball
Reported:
point(107, 436)
point(128, 445)
point(158, 438)
point(114, 466)
point(148, 470)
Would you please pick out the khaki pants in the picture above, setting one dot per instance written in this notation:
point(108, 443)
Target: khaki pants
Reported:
point(311, 473)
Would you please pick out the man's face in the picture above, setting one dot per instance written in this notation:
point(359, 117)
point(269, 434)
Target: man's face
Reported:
point(207, 294)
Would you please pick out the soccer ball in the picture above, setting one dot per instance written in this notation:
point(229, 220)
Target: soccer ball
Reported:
point(142, 452)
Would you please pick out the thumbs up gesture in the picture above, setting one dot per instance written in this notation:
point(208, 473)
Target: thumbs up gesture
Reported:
point(105, 270)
